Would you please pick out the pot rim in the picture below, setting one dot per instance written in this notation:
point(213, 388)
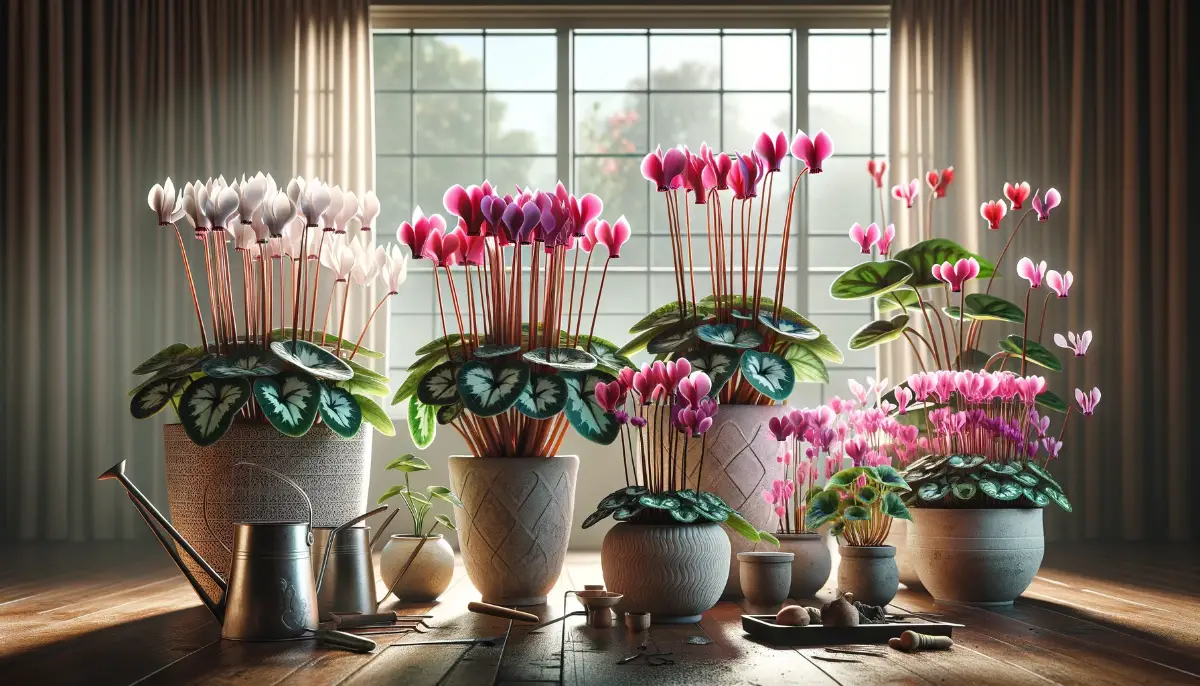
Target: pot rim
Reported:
point(670, 526)
point(866, 550)
point(806, 536)
point(976, 509)
point(532, 457)
point(768, 557)
point(416, 537)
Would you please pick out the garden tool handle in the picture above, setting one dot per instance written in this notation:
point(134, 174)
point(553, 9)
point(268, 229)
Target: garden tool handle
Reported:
point(502, 612)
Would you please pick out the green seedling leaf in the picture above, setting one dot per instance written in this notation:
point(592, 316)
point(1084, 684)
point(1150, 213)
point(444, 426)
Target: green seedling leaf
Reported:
point(365, 385)
point(444, 494)
point(440, 344)
point(445, 521)
point(824, 349)
point(361, 371)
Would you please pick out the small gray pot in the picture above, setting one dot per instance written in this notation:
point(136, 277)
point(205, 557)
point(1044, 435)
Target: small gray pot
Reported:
point(898, 537)
point(813, 563)
point(766, 577)
point(869, 572)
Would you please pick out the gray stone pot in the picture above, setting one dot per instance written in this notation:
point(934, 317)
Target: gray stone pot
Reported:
point(976, 557)
point(429, 574)
point(812, 565)
point(334, 471)
point(675, 572)
point(766, 577)
point(869, 572)
point(514, 524)
point(898, 539)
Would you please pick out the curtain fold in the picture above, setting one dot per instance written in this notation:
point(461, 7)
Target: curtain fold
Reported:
point(103, 101)
point(1092, 98)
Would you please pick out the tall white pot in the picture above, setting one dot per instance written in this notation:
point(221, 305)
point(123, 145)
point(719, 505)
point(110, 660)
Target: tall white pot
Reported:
point(333, 471)
point(514, 524)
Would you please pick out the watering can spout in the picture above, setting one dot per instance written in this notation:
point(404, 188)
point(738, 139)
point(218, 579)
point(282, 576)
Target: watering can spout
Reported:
point(158, 524)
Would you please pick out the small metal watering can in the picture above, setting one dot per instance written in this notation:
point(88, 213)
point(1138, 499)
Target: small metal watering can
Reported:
point(271, 594)
point(344, 564)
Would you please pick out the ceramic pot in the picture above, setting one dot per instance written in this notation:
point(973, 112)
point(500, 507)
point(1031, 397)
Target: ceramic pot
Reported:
point(812, 565)
point(334, 472)
point(869, 572)
point(429, 574)
point(977, 556)
point(673, 571)
point(766, 577)
point(739, 464)
point(514, 524)
point(898, 539)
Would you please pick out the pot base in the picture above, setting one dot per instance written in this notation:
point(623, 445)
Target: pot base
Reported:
point(982, 603)
point(688, 619)
point(517, 602)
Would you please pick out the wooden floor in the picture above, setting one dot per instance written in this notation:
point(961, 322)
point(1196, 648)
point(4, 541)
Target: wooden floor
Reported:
point(120, 614)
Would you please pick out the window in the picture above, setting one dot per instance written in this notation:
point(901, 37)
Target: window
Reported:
point(458, 106)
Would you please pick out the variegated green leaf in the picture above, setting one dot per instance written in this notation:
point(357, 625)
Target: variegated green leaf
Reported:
point(448, 413)
point(439, 386)
point(365, 385)
point(809, 368)
point(313, 359)
point(490, 350)
point(672, 340)
point(719, 363)
point(487, 391)
point(769, 374)
point(422, 422)
point(290, 401)
point(440, 344)
point(154, 397)
point(565, 359)
point(162, 359)
point(208, 407)
point(339, 411)
point(789, 329)
point(328, 340)
point(374, 415)
point(253, 363)
point(416, 372)
point(607, 353)
point(879, 332)
point(584, 413)
point(728, 335)
point(824, 349)
point(365, 372)
point(544, 396)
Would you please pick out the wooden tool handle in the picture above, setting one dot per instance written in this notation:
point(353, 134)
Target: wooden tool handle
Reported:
point(502, 612)
point(345, 641)
point(913, 642)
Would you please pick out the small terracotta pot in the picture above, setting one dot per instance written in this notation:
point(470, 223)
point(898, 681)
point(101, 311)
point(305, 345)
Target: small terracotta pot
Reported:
point(869, 572)
point(813, 563)
point(428, 576)
point(766, 577)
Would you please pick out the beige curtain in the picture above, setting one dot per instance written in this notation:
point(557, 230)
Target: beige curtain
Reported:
point(1092, 98)
point(102, 101)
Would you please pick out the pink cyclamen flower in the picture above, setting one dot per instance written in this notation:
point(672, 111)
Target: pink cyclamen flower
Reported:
point(780, 428)
point(1076, 344)
point(677, 371)
point(864, 238)
point(1043, 205)
point(958, 273)
point(876, 170)
point(613, 236)
point(664, 170)
point(1087, 401)
point(903, 397)
point(859, 392)
point(907, 193)
point(441, 248)
point(1031, 272)
point(939, 182)
point(921, 385)
point(1052, 446)
point(720, 166)
point(625, 377)
point(1017, 193)
point(993, 211)
point(414, 234)
point(1060, 283)
point(608, 395)
point(694, 388)
point(697, 176)
point(812, 151)
point(772, 151)
point(885, 239)
point(1029, 387)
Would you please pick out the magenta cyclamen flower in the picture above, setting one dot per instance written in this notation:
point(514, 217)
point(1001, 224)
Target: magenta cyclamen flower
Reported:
point(1017, 193)
point(1087, 401)
point(613, 236)
point(1031, 272)
point(812, 151)
point(864, 238)
point(694, 388)
point(907, 193)
point(772, 151)
point(1029, 387)
point(877, 170)
point(780, 428)
point(609, 396)
point(720, 165)
point(903, 397)
point(921, 385)
point(698, 177)
point(664, 170)
point(1076, 344)
point(993, 211)
point(885, 240)
point(1060, 283)
point(1043, 205)
point(414, 234)
point(1052, 446)
point(958, 273)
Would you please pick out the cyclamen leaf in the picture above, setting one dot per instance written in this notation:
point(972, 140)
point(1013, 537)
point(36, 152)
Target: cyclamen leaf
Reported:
point(544, 396)
point(374, 415)
point(329, 341)
point(361, 371)
point(669, 314)
point(1034, 352)
point(964, 490)
point(934, 490)
point(606, 353)
point(154, 397)
point(806, 364)
point(769, 374)
point(822, 508)
point(161, 359)
point(785, 327)
point(894, 507)
point(584, 413)
point(340, 411)
point(922, 256)
point(728, 335)
point(1043, 474)
point(566, 359)
point(888, 476)
point(439, 386)
point(208, 407)
point(290, 401)
point(1000, 489)
point(1058, 497)
point(490, 350)
point(365, 385)
point(720, 365)
point(254, 363)
point(448, 413)
point(415, 373)
point(440, 344)
point(422, 422)
point(990, 307)
point(672, 340)
point(487, 391)
point(879, 332)
point(824, 349)
point(313, 359)
point(870, 279)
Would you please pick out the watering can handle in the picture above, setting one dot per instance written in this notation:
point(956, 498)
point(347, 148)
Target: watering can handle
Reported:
point(293, 484)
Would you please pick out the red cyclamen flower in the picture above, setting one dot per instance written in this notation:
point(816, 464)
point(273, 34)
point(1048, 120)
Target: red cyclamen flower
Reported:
point(906, 193)
point(1017, 193)
point(993, 211)
point(938, 182)
point(876, 170)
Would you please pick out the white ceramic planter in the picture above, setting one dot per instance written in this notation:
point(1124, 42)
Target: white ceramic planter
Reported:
point(898, 539)
point(429, 574)
point(334, 472)
point(515, 523)
point(812, 565)
point(976, 557)
point(869, 572)
point(675, 572)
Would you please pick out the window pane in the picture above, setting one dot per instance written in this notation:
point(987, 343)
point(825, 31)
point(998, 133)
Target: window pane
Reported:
point(619, 183)
point(610, 62)
point(834, 252)
point(448, 124)
point(393, 185)
point(522, 63)
point(685, 119)
point(611, 123)
point(749, 114)
point(522, 124)
point(685, 62)
point(883, 62)
point(839, 63)
point(820, 302)
point(757, 63)
point(881, 124)
point(840, 196)
point(846, 117)
point(416, 296)
point(393, 61)
point(506, 172)
point(435, 174)
point(408, 333)
point(448, 62)
point(393, 123)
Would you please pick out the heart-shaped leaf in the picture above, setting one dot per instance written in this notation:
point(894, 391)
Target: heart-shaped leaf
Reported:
point(719, 363)
point(374, 415)
point(1005, 468)
point(1026, 479)
point(769, 374)
point(809, 368)
point(951, 311)
point(1034, 352)
point(934, 490)
point(1042, 474)
point(964, 490)
point(328, 340)
point(440, 385)
point(584, 413)
point(906, 296)
point(339, 411)
point(1057, 496)
point(254, 363)
point(422, 422)
point(822, 508)
point(163, 358)
point(448, 413)
point(797, 331)
point(607, 354)
point(870, 279)
point(208, 407)
point(313, 359)
point(566, 359)
point(728, 335)
point(487, 391)
point(451, 341)
point(671, 341)
point(490, 350)
point(894, 507)
point(966, 461)
point(879, 332)
point(416, 372)
point(670, 313)
point(1050, 401)
point(990, 307)
point(544, 396)
point(867, 495)
point(888, 476)
point(365, 385)
point(1000, 488)
point(1037, 497)
point(154, 397)
point(824, 349)
point(856, 513)
point(742, 307)
point(290, 401)
point(922, 256)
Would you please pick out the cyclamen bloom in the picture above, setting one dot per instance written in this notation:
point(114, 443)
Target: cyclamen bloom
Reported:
point(1060, 283)
point(1031, 272)
point(664, 170)
point(993, 211)
point(907, 193)
point(609, 396)
point(876, 170)
point(1043, 205)
point(903, 397)
point(812, 151)
point(958, 273)
point(613, 236)
point(1087, 401)
point(865, 238)
point(772, 151)
point(1017, 193)
point(885, 240)
point(939, 182)
point(780, 428)
point(1076, 344)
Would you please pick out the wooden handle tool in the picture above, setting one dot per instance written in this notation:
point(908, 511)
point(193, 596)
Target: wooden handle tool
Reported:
point(345, 641)
point(502, 612)
point(912, 642)
point(356, 620)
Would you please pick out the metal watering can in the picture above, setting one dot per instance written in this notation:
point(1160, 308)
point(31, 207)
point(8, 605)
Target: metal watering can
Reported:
point(271, 594)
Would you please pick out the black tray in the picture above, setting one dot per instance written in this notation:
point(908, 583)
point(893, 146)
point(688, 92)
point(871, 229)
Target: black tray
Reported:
point(764, 628)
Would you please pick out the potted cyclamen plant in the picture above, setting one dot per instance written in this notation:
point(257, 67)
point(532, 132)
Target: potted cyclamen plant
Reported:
point(418, 567)
point(667, 554)
point(753, 347)
point(512, 371)
point(272, 381)
point(981, 478)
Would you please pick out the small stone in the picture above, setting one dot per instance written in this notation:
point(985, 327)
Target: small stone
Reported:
point(793, 615)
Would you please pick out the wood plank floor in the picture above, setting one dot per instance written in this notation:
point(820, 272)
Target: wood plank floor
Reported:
point(120, 614)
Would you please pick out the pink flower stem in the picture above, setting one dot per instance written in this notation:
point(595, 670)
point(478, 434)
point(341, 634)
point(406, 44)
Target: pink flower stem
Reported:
point(1025, 332)
point(599, 292)
point(962, 318)
point(367, 326)
point(187, 269)
point(1042, 324)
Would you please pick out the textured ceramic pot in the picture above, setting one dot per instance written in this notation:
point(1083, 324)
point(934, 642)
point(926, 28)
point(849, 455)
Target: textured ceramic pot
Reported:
point(978, 557)
point(739, 464)
point(869, 572)
point(898, 539)
point(429, 574)
point(673, 571)
point(514, 524)
point(334, 472)
point(812, 565)
point(766, 577)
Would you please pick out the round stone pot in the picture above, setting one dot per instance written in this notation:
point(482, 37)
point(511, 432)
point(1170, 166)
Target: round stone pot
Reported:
point(978, 556)
point(898, 539)
point(869, 572)
point(673, 571)
point(334, 471)
point(514, 524)
point(739, 464)
point(812, 564)
point(430, 572)
point(766, 577)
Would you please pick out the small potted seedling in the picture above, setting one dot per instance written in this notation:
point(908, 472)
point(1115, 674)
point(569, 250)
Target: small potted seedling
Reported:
point(418, 566)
